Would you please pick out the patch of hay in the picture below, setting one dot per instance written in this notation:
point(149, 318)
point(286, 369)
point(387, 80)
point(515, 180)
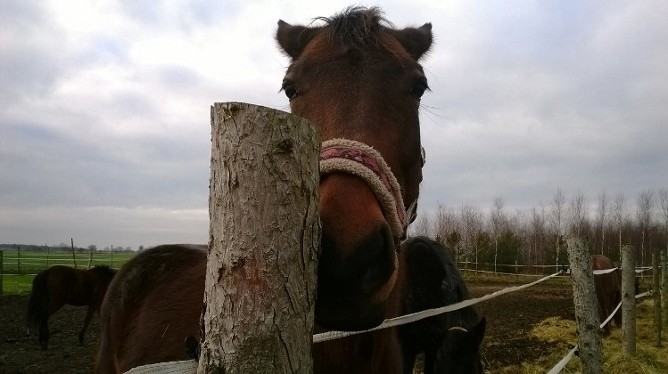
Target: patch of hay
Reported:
point(555, 330)
point(560, 334)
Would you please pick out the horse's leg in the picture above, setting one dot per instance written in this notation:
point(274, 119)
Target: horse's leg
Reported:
point(429, 361)
point(82, 333)
point(44, 332)
point(409, 363)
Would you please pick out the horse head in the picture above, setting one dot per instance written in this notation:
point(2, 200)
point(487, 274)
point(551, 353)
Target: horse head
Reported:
point(460, 352)
point(358, 80)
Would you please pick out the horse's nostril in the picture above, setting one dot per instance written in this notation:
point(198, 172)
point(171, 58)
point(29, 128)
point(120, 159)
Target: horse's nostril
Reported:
point(377, 259)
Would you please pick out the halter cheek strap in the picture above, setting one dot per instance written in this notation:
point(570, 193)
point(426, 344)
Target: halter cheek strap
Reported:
point(361, 160)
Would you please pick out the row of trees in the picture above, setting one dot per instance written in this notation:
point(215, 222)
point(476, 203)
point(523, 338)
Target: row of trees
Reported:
point(537, 237)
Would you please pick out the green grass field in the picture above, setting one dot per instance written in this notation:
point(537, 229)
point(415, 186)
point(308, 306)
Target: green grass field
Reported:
point(19, 269)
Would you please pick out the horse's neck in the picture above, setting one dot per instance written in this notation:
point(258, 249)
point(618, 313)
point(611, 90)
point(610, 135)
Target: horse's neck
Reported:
point(374, 352)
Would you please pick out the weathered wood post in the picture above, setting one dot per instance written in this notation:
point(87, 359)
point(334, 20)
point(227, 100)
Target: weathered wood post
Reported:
point(656, 277)
point(586, 307)
point(74, 258)
point(264, 240)
point(628, 301)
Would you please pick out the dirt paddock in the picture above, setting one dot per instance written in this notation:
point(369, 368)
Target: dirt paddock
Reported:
point(507, 340)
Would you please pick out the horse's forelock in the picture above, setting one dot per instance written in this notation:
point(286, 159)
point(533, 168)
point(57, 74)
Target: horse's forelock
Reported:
point(357, 25)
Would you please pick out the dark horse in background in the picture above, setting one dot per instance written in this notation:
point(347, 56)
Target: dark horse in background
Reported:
point(451, 341)
point(608, 290)
point(59, 285)
point(357, 78)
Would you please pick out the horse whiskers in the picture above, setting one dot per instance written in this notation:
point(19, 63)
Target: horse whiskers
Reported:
point(166, 328)
point(410, 215)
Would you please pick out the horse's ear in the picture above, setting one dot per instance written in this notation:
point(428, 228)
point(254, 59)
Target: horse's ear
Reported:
point(417, 41)
point(293, 39)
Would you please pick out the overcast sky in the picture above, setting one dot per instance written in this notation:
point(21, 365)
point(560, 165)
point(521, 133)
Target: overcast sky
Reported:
point(104, 106)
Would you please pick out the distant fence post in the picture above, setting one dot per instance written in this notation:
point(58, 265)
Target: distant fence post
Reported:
point(264, 234)
point(74, 258)
point(586, 312)
point(656, 277)
point(628, 301)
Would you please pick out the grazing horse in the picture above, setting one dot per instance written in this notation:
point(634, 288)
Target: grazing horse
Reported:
point(451, 341)
point(358, 80)
point(59, 285)
point(608, 290)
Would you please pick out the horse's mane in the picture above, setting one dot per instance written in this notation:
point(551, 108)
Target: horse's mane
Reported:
point(453, 286)
point(357, 25)
point(457, 291)
point(104, 268)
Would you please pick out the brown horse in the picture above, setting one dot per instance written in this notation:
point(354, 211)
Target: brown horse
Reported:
point(59, 285)
point(357, 78)
point(608, 290)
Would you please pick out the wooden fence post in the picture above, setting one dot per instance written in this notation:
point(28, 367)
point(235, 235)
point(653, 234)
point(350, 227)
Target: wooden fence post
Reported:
point(264, 237)
point(74, 259)
point(628, 301)
point(656, 277)
point(586, 308)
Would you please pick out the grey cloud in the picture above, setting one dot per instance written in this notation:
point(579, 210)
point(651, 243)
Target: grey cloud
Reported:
point(183, 13)
point(526, 99)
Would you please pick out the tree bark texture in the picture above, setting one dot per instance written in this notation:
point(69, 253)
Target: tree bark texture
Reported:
point(586, 312)
point(264, 240)
point(628, 301)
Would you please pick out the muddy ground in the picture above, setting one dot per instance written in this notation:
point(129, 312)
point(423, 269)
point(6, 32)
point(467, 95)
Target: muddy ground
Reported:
point(510, 317)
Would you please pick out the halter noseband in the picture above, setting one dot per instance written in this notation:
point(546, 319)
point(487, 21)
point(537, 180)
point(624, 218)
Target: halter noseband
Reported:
point(361, 160)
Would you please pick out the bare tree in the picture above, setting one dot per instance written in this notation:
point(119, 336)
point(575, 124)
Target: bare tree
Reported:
point(602, 217)
point(538, 229)
point(663, 205)
point(422, 226)
point(471, 224)
point(619, 215)
point(644, 217)
point(557, 219)
point(498, 225)
point(517, 224)
point(578, 211)
point(448, 227)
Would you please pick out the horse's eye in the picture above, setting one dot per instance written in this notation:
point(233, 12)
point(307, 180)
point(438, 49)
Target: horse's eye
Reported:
point(419, 87)
point(290, 90)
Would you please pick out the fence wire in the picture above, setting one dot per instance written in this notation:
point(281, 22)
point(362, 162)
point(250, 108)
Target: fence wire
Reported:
point(413, 317)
